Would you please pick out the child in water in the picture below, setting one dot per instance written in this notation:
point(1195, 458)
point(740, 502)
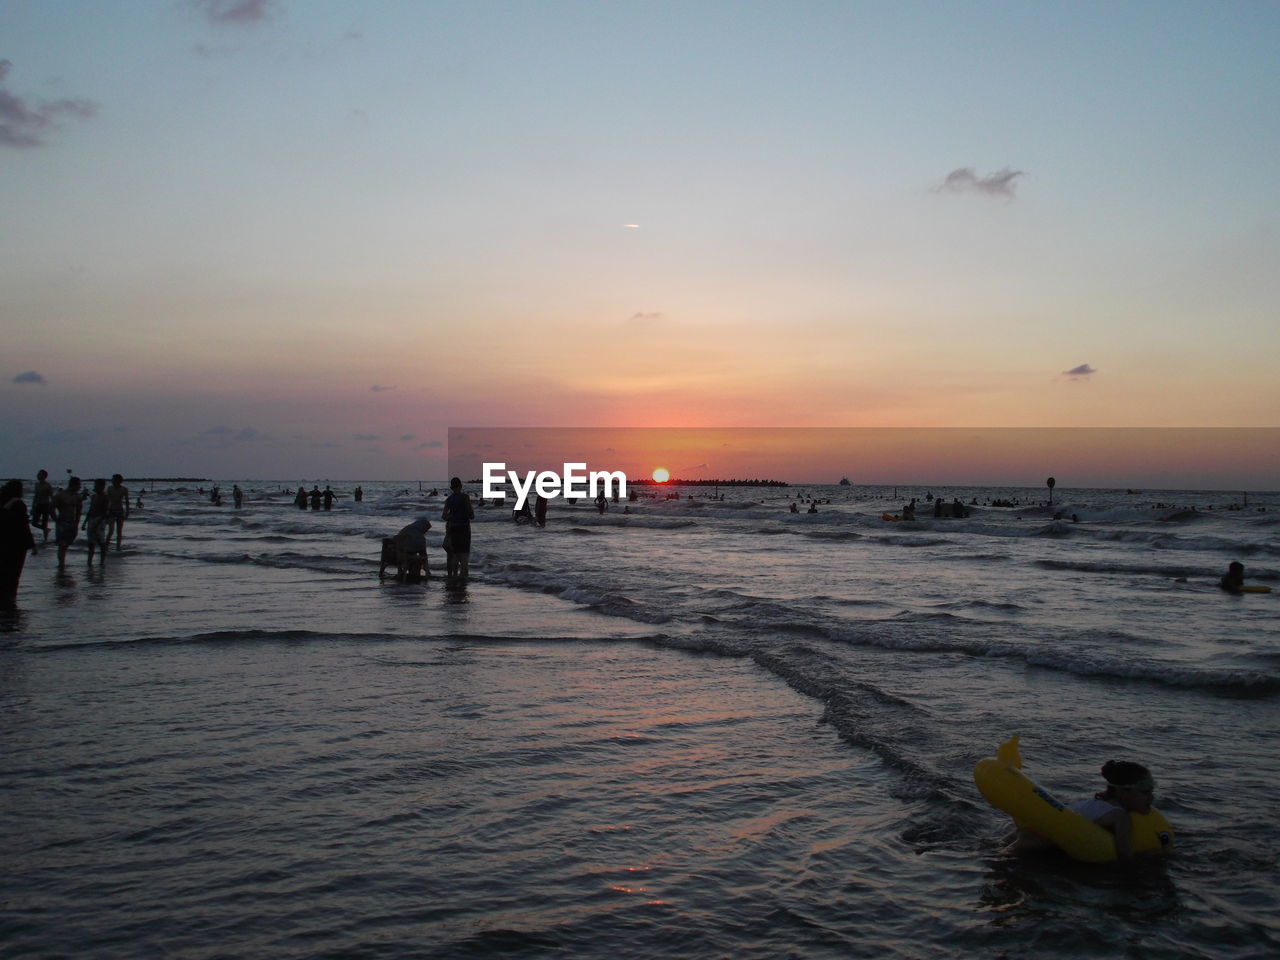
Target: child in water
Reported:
point(1130, 789)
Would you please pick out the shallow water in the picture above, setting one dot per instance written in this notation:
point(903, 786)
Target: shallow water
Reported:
point(712, 729)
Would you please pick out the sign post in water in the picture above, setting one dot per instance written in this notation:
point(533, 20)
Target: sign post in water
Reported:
point(1050, 483)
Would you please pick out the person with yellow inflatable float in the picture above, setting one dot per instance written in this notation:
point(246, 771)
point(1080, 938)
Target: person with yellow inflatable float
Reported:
point(1114, 824)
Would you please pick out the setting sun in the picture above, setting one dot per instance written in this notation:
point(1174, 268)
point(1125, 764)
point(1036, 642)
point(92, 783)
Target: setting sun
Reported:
point(661, 475)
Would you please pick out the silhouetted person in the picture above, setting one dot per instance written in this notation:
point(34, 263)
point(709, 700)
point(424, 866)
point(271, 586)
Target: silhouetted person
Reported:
point(67, 505)
point(15, 541)
point(458, 514)
point(117, 508)
point(328, 497)
point(237, 496)
point(300, 501)
point(315, 497)
point(42, 503)
point(1233, 579)
point(540, 511)
point(96, 525)
point(408, 551)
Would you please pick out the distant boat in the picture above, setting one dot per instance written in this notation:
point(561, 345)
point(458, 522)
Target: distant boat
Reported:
point(844, 481)
point(1133, 491)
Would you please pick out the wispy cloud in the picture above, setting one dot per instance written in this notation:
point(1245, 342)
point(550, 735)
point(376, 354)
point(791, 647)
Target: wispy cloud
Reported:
point(429, 445)
point(1002, 183)
point(24, 124)
point(367, 437)
point(646, 316)
point(224, 436)
point(406, 437)
point(1075, 373)
point(379, 389)
point(237, 11)
point(30, 377)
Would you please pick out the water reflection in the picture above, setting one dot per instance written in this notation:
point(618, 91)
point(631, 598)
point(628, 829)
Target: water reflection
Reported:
point(66, 593)
point(1021, 889)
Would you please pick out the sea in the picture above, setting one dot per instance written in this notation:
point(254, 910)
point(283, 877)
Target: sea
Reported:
point(695, 725)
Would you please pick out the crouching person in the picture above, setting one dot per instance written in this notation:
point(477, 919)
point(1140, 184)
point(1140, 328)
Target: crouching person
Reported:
point(407, 551)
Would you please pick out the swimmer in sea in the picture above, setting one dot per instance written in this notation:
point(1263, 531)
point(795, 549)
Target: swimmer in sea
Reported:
point(1233, 579)
point(1130, 789)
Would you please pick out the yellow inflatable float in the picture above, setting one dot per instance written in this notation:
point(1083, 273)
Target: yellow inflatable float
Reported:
point(1002, 783)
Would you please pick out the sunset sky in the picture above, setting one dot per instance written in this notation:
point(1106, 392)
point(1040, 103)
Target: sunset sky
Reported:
point(287, 239)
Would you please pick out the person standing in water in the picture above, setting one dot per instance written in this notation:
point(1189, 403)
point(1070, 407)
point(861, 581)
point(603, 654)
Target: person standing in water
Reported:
point(15, 541)
point(67, 506)
point(117, 509)
point(458, 514)
point(96, 525)
point(42, 503)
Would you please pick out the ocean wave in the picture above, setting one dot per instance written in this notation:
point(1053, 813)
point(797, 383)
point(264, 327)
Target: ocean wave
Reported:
point(283, 560)
point(1076, 657)
point(1128, 569)
point(618, 521)
point(837, 535)
point(1243, 683)
point(909, 541)
point(596, 598)
point(976, 604)
point(256, 637)
point(615, 605)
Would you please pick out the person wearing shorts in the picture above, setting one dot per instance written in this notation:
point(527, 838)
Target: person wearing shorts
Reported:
point(67, 505)
point(117, 508)
point(458, 514)
point(96, 525)
point(42, 503)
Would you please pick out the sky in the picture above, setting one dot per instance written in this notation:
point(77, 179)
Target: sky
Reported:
point(301, 240)
point(1165, 458)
